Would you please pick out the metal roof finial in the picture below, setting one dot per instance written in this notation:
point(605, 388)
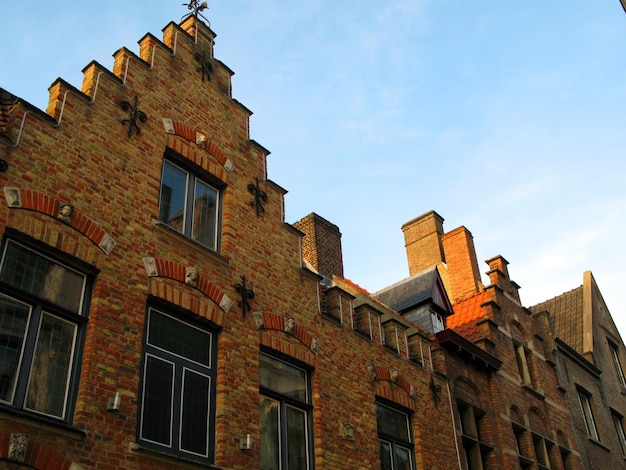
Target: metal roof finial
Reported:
point(197, 7)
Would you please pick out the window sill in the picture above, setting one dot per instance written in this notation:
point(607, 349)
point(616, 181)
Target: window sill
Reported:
point(41, 423)
point(332, 318)
point(157, 224)
point(536, 392)
point(181, 462)
point(598, 443)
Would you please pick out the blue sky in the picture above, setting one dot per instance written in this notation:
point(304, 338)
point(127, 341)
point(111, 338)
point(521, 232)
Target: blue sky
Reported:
point(506, 117)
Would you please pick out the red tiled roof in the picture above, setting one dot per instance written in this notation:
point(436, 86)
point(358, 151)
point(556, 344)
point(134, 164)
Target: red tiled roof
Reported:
point(467, 314)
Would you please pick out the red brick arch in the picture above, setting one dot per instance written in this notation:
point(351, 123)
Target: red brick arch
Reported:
point(38, 455)
point(160, 267)
point(18, 198)
point(384, 375)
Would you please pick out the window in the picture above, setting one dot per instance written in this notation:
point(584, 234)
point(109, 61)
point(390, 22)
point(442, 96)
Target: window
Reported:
point(618, 365)
point(43, 310)
point(178, 384)
point(473, 445)
point(189, 205)
point(439, 322)
point(523, 451)
point(543, 451)
point(285, 415)
point(522, 364)
point(619, 429)
point(394, 438)
point(590, 422)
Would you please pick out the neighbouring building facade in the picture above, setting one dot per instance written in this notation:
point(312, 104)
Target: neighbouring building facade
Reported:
point(157, 312)
point(591, 354)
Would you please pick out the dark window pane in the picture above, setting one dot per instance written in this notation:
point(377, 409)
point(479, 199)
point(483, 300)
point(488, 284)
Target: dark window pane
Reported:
point(205, 215)
point(173, 196)
point(385, 455)
point(282, 378)
point(392, 423)
point(179, 338)
point(157, 401)
point(13, 323)
point(50, 370)
point(403, 458)
point(296, 439)
point(40, 276)
point(195, 413)
point(270, 435)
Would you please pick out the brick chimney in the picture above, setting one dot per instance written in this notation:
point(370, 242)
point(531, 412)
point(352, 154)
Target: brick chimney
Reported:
point(321, 244)
point(453, 253)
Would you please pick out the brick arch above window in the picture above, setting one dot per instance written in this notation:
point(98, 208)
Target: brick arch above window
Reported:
point(467, 391)
point(289, 326)
point(35, 454)
point(538, 421)
point(392, 376)
point(195, 146)
point(18, 198)
point(189, 275)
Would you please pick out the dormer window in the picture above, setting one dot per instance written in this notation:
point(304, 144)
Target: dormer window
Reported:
point(438, 322)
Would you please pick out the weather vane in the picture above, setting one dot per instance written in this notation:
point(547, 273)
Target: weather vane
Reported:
point(197, 7)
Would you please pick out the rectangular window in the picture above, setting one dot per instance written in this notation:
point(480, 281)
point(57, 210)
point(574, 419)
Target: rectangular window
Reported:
point(42, 315)
point(619, 429)
point(473, 442)
point(522, 364)
point(178, 383)
point(394, 438)
point(439, 322)
point(587, 411)
point(189, 205)
point(285, 415)
point(618, 364)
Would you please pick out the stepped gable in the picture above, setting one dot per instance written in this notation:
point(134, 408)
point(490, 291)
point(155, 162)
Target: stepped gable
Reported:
point(567, 311)
point(467, 314)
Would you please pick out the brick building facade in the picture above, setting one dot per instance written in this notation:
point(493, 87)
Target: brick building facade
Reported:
point(156, 311)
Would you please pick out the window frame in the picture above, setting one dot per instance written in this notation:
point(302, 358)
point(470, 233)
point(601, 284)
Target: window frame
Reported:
point(193, 176)
point(181, 366)
point(396, 441)
point(618, 423)
point(617, 363)
point(41, 308)
point(475, 448)
point(523, 366)
point(286, 402)
point(591, 425)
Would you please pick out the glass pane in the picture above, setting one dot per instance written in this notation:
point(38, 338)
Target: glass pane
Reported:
point(270, 434)
point(179, 338)
point(403, 458)
point(195, 413)
point(13, 323)
point(282, 378)
point(297, 455)
point(205, 215)
point(172, 197)
point(50, 370)
point(385, 455)
point(156, 419)
point(392, 423)
point(41, 276)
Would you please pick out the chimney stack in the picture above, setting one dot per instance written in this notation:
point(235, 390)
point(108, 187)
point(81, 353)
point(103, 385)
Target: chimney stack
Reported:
point(453, 253)
point(321, 244)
